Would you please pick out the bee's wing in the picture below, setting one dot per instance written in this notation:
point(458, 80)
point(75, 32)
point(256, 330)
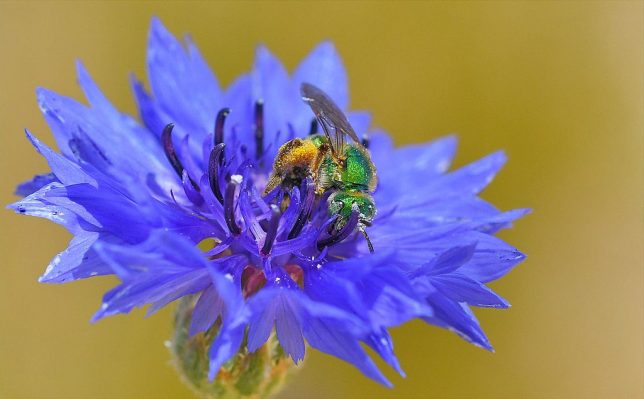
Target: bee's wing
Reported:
point(329, 115)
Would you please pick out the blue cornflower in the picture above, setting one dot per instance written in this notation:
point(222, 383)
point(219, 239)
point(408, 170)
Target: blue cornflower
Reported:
point(174, 208)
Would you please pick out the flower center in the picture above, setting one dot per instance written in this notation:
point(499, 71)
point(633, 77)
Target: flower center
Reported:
point(282, 226)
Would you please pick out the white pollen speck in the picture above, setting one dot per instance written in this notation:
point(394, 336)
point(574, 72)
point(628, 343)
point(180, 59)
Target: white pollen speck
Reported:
point(443, 165)
point(238, 179)
point(277, 280)
point(229, 276)
point(318, 266)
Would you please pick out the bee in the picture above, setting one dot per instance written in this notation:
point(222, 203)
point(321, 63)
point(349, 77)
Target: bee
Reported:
point(344, 169)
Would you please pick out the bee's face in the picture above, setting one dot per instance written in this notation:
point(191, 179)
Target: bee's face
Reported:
point(342, 202)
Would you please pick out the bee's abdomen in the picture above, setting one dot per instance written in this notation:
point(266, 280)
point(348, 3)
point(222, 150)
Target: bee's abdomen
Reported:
point(292, 164)
point(295, 155)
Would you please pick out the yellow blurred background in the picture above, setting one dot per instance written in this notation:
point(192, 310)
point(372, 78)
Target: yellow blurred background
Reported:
point(559, 85)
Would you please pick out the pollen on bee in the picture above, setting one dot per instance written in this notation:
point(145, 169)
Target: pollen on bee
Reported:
point(299, 153)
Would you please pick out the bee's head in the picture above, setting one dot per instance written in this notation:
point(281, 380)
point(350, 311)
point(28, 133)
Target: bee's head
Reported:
point(342, 203)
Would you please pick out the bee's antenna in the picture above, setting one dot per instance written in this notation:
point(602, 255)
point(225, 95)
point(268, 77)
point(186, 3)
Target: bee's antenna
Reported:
point(364, 233)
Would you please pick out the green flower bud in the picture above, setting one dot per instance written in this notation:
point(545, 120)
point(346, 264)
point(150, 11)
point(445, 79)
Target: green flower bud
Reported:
point(256, 375)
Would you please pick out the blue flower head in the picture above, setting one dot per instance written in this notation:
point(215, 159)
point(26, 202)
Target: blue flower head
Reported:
point(174, 207)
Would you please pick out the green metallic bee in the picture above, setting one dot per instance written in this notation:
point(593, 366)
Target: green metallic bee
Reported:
point(345, 169)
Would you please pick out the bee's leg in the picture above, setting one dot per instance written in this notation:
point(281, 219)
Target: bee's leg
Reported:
point(286, 201)
point(364, 233)
point(318, 175)
point(273, 181)
point(319, 157)
point(333, 227)
point(323, 182)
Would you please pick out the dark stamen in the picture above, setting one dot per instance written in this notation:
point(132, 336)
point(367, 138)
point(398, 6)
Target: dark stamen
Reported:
point(171, 154)
point(168, 147)
point(291, 131)
point(305, 212)
point(214, 161)
point(343, 233)
point(264, 224)
point(259, 129)
point(314, 127)
point(271, 233)
point(365, 141)
point(219, 125)
point(229, 207)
